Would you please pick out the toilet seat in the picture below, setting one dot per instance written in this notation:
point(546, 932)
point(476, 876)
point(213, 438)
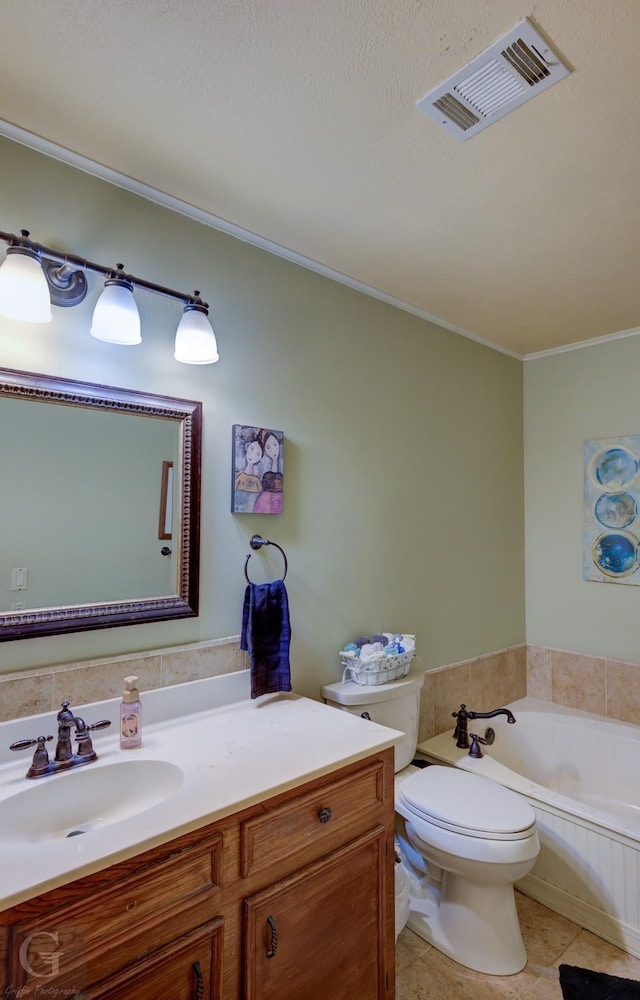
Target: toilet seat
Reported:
point(466, 804)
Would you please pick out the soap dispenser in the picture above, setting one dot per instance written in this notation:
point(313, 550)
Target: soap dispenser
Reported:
point(130, 715)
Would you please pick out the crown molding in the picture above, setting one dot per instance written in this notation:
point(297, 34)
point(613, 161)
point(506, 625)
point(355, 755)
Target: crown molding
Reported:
point(56, 152)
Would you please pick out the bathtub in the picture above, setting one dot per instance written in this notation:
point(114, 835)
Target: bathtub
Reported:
point(581, 774)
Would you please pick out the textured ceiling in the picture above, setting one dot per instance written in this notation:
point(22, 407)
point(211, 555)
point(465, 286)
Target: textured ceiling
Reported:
point(296, 121)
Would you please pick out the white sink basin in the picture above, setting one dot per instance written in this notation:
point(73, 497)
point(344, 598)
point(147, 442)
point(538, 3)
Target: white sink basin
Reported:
point(76, 802)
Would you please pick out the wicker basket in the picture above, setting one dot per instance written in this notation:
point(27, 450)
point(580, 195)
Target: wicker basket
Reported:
point(392, 668)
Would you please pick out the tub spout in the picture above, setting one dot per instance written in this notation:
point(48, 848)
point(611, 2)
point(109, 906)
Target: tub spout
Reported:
point(460, 733)
point(497, 711)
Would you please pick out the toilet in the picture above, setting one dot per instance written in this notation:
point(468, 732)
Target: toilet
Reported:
point(464, 839)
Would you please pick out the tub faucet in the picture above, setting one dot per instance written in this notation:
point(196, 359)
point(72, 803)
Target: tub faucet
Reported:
point(460, 733)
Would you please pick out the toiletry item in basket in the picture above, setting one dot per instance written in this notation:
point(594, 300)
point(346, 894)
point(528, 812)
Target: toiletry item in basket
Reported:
point(375, 663)
point(130, 715)
point(371, 653)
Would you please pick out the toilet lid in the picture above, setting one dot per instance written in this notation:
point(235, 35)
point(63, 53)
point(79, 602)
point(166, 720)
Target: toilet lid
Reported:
point(467, 803)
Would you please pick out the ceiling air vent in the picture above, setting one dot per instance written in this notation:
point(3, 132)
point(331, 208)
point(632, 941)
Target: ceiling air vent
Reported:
point(510, 72)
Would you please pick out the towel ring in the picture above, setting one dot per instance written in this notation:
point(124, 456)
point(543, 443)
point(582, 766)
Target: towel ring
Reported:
point(256, 542)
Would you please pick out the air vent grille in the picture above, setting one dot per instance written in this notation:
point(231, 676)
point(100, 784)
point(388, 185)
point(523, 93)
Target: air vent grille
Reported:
point(490, 88)
point(457, 112)
point(527, 62)
point(509, 73)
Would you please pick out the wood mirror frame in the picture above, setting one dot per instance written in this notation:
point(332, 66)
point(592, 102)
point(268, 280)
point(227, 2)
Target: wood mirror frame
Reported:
point(33, 622)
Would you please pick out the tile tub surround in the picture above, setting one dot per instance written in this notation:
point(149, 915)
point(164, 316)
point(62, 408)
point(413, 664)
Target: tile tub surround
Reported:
point(597, 684)
point(32, 692)
point(482, 684)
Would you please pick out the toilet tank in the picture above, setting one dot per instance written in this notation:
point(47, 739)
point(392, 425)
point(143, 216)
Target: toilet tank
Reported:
point(396, 705)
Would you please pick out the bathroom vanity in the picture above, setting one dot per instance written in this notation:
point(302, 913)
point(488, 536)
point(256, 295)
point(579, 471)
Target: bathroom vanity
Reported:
point(271, 878)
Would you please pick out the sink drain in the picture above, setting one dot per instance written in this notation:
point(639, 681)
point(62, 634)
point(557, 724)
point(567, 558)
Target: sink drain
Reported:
point(75, 833)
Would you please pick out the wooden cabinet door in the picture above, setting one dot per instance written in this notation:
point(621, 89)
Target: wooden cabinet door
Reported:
point(320, 932)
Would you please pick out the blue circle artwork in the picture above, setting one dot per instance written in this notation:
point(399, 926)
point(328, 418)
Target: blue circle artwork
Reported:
point(614, 469)
point(615, 554)
point(616, 510)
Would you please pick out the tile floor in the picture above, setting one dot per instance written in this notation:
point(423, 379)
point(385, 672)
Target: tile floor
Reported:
point(423, 973)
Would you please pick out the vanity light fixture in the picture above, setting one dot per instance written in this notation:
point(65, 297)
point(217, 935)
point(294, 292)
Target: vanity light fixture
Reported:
point(116, 318)
point(195, 344)
point(24, 290)
point(33, 277)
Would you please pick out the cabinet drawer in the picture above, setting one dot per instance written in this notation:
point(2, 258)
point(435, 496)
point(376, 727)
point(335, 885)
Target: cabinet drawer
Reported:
point(160, 898)
point(189, 967)
point(341, 807)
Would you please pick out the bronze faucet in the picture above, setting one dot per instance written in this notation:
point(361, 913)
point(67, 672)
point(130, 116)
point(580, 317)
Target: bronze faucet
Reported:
point(460, 732)
point(64, 757)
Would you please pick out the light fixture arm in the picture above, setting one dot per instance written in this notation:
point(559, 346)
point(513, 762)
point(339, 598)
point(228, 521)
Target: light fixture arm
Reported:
point(65, 274)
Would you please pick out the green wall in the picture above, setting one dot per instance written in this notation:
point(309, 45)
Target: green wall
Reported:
point(571, 398)
point(403, 441)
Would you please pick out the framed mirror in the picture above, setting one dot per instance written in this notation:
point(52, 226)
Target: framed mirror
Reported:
point(100, 506)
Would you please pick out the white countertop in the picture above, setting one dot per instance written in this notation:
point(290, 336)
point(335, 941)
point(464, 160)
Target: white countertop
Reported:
point(233, 753)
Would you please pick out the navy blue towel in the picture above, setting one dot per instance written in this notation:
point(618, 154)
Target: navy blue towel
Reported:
point(266, 635)
point(585, 984)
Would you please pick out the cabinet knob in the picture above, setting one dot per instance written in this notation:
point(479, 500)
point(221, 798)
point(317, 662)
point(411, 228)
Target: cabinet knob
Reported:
point(325, 814)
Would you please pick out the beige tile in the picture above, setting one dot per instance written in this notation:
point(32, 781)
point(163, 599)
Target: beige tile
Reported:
point(489, 682)
point(546, 934)
point(30, 692)
point(423, 973)
point(409, 947)
point(29, 695)
point(546, 987)
point(97, 682)
point(591, 952)
point(539, 672)
point(623, 690)
point(578, 681)
point(450, 690)
point(485, 682)
point(419, 982)
point(466, 984)
point(184, 665)
point(516, 672)
point(416, 978)
point(426, 725)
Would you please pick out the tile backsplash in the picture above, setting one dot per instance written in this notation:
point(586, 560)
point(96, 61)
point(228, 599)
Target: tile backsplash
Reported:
point(594, 684)
point(31, 692)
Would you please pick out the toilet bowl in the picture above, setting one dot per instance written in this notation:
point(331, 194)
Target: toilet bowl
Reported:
point(464, 839)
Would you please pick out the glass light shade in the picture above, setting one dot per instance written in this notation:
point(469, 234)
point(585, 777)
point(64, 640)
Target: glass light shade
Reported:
point(24, 292)
point(195, 339)
point(116, 318)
